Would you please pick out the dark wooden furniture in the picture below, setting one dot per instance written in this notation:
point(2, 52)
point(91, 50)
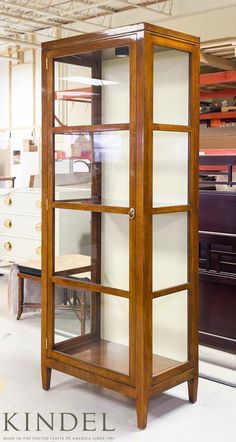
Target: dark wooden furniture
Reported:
point(31, 270)
point(142, 228)
point(217, 263)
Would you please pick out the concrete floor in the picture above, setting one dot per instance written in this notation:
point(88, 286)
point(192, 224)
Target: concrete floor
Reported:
point(171, 416)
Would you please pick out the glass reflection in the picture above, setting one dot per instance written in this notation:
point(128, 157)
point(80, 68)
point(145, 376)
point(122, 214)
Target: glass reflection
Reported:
point(92, 88)
point(93, 167)
point(94, 246)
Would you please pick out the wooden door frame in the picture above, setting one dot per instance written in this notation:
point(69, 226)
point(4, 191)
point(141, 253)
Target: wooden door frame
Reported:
point(49, 218)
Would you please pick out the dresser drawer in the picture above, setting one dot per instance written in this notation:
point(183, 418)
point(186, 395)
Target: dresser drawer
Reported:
point(22, 248)
point(20, 225)
point(33, 203)
point(14, 202)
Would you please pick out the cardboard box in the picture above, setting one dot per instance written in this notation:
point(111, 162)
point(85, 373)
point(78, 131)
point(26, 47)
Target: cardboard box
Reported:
point(218, 138)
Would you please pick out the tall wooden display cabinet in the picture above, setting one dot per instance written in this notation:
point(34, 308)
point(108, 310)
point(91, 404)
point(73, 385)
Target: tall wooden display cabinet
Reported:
point(120, 120)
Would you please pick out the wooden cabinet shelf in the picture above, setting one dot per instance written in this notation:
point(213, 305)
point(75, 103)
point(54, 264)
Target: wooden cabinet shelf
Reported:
point(113, 356)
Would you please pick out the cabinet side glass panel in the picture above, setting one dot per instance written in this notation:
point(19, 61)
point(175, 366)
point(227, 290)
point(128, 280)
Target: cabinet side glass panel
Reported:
point(93, 167)
point(170, 250)
point(94, 246)
point(170, 331)
point(170, 86)
point(92, 88)
point(170, 168)
point(92, 327)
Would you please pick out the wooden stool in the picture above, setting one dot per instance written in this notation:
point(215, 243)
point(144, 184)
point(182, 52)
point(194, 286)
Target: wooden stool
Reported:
point(32, 270)
point(21, 303)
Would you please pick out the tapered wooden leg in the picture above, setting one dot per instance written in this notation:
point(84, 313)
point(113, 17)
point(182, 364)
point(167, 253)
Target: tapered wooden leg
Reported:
point(20, 297)
point(142, 411)
point(46, 377)
point(192, 389)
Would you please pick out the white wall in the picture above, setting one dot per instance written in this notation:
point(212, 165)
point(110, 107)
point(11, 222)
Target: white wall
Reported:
point(4, 119)
point(17, 115)
point(209, 19)
point(207, 25)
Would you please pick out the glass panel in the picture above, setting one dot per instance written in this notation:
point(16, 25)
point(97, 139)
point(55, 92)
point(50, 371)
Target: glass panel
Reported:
point(170, 250)
point(72, 313)
point(103, 156)
point(170, 168)
point(92, 88)
point(93, 327)
point(170, 331)
point(170, 86)
point(80, 236)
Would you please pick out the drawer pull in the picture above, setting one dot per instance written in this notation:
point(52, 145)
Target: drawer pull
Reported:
point(8, 246)
point(8, 223)
point(38, 227)
point(38, 204)
point(38, 250)
point(8, 201)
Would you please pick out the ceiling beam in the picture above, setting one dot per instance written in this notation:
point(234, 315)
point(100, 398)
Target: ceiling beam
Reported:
point(85, 6)
point(25, 32)
point(142, 6)
point(128, 6)
point(46, 24)
point(31, 44)
point(217, 62)
point(48, 13)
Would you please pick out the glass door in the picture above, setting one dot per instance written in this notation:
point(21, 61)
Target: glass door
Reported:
point(91, 194)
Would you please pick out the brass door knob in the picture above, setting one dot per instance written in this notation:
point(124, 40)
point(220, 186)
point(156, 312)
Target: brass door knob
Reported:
point(38, 204)
point(131, 213)
point(8, 201)
point(38, 227)
point(8, 223)
point(38, 251)
point(8, 246)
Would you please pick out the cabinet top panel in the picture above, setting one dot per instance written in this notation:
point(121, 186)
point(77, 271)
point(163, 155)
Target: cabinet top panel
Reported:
point(120, 31)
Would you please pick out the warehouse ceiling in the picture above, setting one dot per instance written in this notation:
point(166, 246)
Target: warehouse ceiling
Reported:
point(30, 22)
point(26, 19)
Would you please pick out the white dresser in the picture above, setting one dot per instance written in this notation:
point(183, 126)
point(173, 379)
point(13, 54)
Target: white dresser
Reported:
point(20, 224)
